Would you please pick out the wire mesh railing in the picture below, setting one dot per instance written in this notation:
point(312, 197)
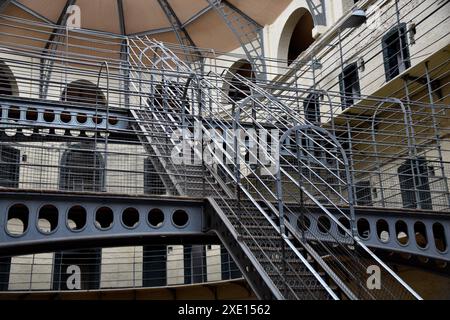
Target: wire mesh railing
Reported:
point(114, 268)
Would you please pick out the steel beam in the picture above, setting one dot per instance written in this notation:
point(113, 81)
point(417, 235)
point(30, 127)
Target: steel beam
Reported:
point(32, 12)
point(91, 227)
point(3, 5)
point(392, 239)
point(318, 12)
point(193, 55)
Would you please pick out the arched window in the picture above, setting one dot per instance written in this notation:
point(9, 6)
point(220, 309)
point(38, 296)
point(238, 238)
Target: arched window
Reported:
point(9, 156)
point(349, 85)
point(296, 36)
point(237, 89)
point(8, 84)
point(82, 169)
point(83, 91)
point(311, 106)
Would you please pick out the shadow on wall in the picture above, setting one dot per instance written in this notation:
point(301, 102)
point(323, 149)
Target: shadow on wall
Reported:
point(8, 83)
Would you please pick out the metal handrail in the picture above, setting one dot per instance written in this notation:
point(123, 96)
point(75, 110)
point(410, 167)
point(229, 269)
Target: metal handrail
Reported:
point(235, 164)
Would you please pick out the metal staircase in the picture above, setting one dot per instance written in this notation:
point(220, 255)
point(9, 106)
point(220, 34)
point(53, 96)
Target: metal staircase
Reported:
point(252, 213)
point(284, 272)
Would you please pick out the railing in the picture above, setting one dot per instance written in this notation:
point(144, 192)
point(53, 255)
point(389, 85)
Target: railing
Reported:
point(244, 176)
point(384, 172)
point(114, 268)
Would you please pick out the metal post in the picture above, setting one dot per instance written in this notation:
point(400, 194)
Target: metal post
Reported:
point(415, 165)
point(436, 131)
point(341, 57)
point(237, 147)
point(202, 149)
point(397, 14)
point(351, 186)
point(299, 168)
point(377, 159)
point(104, 182)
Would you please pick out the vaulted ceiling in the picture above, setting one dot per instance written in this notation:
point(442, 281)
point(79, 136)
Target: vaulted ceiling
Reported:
point(138, 17)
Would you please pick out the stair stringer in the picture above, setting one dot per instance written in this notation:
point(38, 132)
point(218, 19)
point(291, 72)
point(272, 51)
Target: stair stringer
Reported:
point(223, 227)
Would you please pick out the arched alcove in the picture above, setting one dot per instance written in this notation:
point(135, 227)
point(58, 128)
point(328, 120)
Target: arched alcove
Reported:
point(234, 87)
point(82, 169)
point(83, 91)
point(296, 36)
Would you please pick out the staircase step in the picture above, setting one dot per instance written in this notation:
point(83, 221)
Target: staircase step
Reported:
point(269, 236)
point(254, 227)
point(304, 273)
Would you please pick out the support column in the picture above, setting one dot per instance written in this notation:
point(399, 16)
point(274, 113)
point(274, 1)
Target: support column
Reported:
point(195, 270)
point(187, 251)
point(193, 55)
point(5, 267)
point(229, 268)
point(154, 266)
point(51, 48)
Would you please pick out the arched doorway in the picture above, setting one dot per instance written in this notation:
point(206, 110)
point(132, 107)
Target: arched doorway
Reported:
point(235, 88)
point(83, 91)
point(296, 36)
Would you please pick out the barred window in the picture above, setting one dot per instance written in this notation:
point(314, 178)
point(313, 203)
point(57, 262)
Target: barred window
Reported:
point(349, 85)
point(395, 52)
point(311, 107)
point(363, 193)
point(9, 167)
point(414, 184)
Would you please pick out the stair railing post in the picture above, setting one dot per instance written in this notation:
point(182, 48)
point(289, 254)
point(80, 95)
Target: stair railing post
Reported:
point(279, 188)
point(103, 183)
point(236, 145)
point(299, 168)
point(437, 133)
point(237, 165)
point(200, 137)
